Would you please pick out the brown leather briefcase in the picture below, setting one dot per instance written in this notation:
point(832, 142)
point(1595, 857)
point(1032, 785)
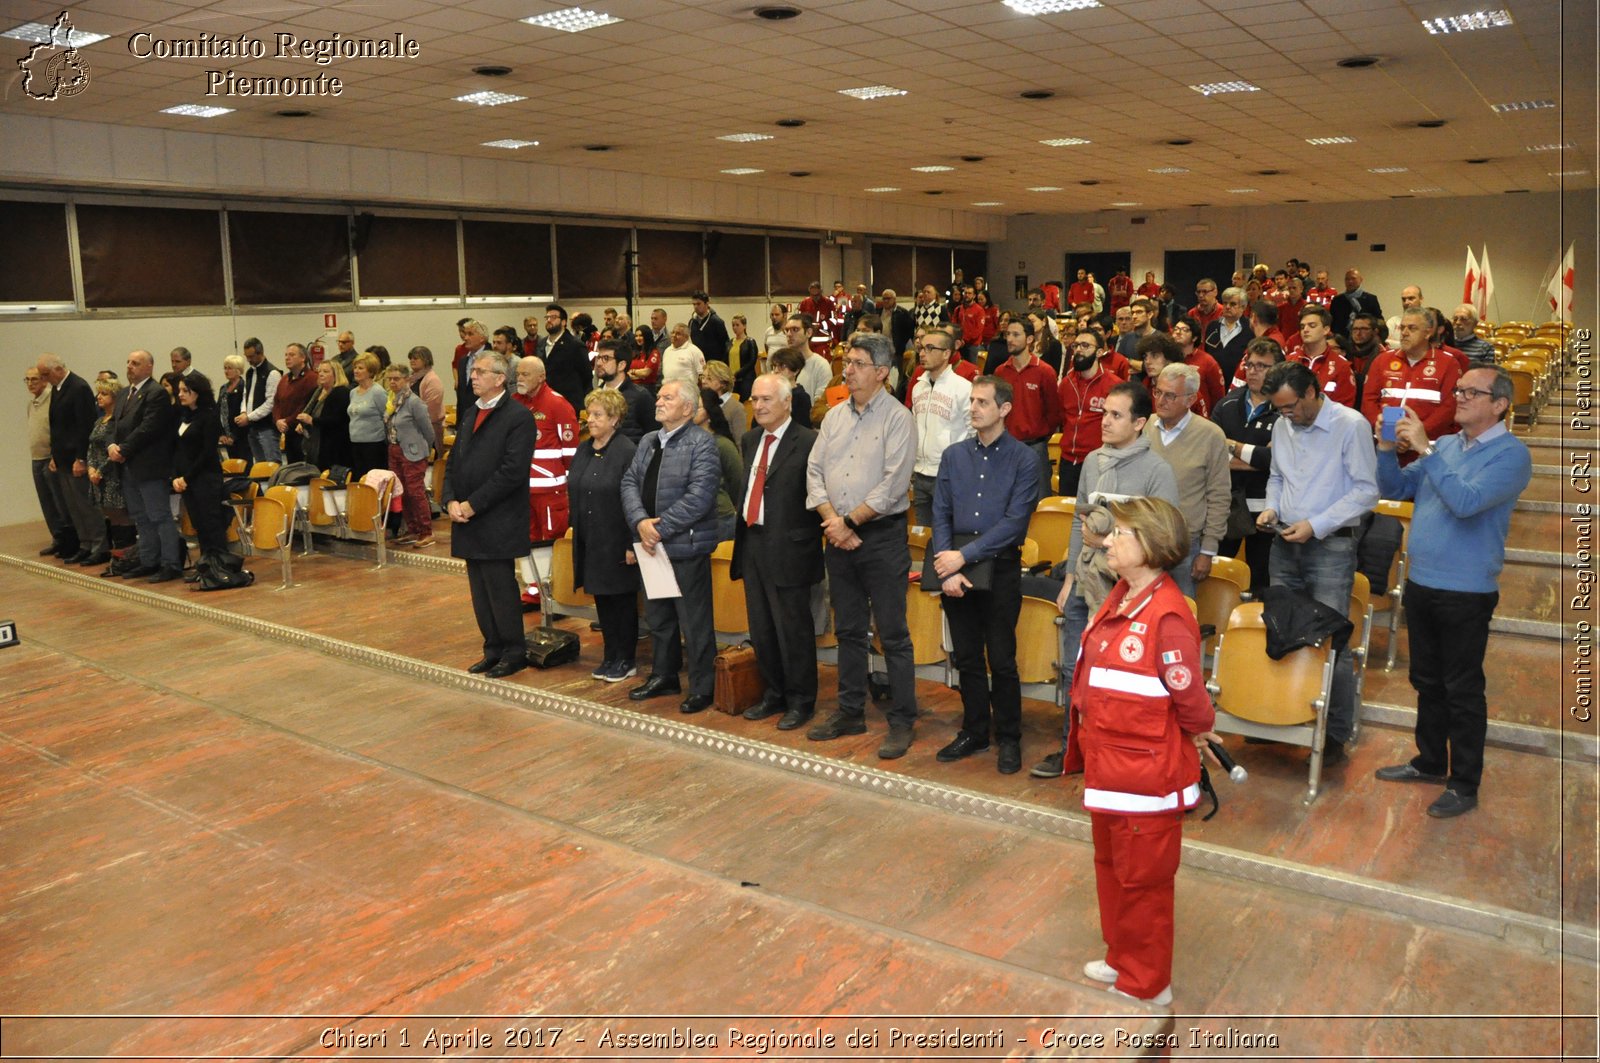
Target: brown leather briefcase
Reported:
point(738, 680)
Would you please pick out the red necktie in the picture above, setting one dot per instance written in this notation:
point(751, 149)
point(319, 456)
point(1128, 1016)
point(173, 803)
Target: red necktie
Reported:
point(758, 485)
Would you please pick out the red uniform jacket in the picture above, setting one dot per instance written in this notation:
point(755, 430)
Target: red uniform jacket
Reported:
point(1334, 375)
point(1035, 401)
point(1137, 695)
point(1083, 406)
point(1204, 318)
point(1322, 297)
point(552, 457)
point(1081, 293)
point(1427, 389)
point(1119, 290)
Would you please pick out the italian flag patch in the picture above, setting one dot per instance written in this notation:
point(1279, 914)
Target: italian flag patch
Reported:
point(1171, 657)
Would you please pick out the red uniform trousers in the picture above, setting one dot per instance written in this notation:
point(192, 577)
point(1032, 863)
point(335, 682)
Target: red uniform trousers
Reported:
point(1135, 870)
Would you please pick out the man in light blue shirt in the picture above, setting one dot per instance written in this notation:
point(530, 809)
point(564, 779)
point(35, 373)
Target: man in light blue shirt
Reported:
point(1323, 480)
point(1465, 487)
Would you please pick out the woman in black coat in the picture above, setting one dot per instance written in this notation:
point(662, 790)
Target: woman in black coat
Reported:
point(602, 543)
point(325, 422)
point(196, 470)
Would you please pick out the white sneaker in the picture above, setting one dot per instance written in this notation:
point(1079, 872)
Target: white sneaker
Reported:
point(1100, 971)
point(1160, 1000)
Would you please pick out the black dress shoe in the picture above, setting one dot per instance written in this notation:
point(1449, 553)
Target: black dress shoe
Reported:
point(1009, 760)
point(964, 746)
point(141, 572)
point(50, 551)
point(1333, 753)
point(78, 558)
point(1451, 804)
point(695, 703)
point(164, 575)
point(763, 709)
point(483, 665)
point(655, 687)
point(795, 719)
point(101, 558)
point(192, 576)
point(1406, 773)
point(510, 666)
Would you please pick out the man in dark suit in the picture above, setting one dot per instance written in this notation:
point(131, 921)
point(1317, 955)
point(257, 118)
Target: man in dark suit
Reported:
point(72, 416)
point(566, 359)
point(475, 338)
point(706, 330)
point(144, 425)
point(669, 498)
point(898, 324)
point(777, 551)
point(486, 488)
point(1353, 300)
point(611, 367)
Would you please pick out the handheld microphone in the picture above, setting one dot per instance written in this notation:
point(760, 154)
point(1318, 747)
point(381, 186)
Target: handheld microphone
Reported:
point(1235, 772)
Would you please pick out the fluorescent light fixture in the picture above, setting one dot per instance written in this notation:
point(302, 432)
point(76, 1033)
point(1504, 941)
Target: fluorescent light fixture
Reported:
point(932, 169)
point(41, 33)
point(1569, 173)
point(1430, 188)
point(1217, 88)
point(1243, 191)
point(512, 144)
point(988, 203)
point(1064, 142)
point(197, 110)
point(741, 171)
point(1049, 7)
point(1320, 141)
point(1044, 188)
point(882, 188)
point(1522, 105)
point(571, 20)
point(1168, 169)
point(489, 99)
point(1549, 147)
point(1386, 169)
point(745, 138)
point(872, 92)
point(1476, 20)
point(1124, 204)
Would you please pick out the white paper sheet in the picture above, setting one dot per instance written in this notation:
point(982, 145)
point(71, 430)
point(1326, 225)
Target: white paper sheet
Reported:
point(660, 581)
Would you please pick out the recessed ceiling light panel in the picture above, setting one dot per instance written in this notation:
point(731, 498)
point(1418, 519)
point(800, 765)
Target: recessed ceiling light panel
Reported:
point(1569, 173)
point(1430, 188)
point(988, 203)
point(1522, 105)
point(1243, 191)
point(1476, 20)
point(1064, 142)
point(1168, 169)
point(1386, 169)
point(1322, 141)
point(511, 144)
point(872, 92)
point(1049, 7)
point(196, 110)
point(741, 171)
point(571, 20)
point(1125, 204)
point(882, 188)
point(1044, 188)
point(489, 99)
point(745, 138)
point(43, 33)
point(1217, 88)
point(1549, 147)
point(932, 169)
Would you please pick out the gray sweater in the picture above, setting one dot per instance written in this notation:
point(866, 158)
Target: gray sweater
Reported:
point(1133, 470)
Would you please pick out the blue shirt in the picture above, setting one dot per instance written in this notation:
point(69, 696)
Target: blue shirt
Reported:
point(988, 491)
point(1325, 473)
point(1464, 494)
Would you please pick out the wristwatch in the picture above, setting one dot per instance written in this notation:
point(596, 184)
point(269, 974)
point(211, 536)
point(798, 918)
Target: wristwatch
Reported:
point(852, 525)
point(1429, 452)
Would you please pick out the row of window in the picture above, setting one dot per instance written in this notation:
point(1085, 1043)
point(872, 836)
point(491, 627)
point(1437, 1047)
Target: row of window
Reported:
point(140, 256)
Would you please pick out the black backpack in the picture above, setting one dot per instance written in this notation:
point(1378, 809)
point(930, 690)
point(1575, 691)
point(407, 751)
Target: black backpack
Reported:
point(222, 571)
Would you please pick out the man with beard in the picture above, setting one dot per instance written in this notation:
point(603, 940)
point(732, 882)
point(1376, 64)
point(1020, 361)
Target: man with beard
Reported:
point(566, 359)
point(1083, 392)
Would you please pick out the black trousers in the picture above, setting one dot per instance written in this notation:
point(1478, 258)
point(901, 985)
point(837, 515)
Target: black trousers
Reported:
point(1449, 632)
point(983, 626)
point(873, 577)
point(619, 624)
point(497, 605)
point(690, 616)
point(209, 516)
point(1068, 473)
point(1257, 554)
point(781, 628)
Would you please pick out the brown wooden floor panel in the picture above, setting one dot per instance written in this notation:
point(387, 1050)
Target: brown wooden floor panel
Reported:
point(354, 841)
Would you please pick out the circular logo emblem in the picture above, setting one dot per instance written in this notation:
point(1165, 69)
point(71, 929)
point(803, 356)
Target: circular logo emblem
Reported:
point(1132, 648)
point(1178, 678)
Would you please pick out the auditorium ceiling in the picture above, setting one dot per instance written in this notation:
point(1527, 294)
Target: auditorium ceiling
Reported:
point(661, 89)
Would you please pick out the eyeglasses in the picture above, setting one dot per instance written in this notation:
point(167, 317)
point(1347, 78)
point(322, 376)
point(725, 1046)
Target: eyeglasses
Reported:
point(1205, 291)
point(1258, 367)
point(1118, 530)
point(858, 363)
point(933, 347)
point(1470, 393)
point(1084, 345)
point(1170, 396)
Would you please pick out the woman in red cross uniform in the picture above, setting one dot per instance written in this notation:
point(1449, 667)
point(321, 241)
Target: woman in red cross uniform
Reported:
point(1143, 711)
